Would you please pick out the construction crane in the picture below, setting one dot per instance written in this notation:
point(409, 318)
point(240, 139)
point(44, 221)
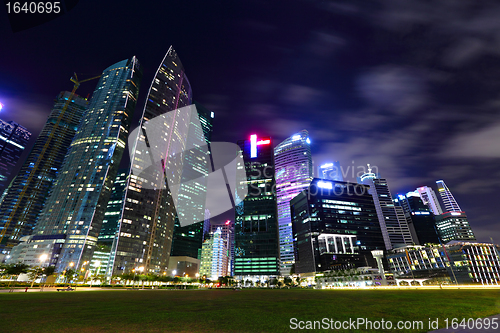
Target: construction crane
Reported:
point(42, 156)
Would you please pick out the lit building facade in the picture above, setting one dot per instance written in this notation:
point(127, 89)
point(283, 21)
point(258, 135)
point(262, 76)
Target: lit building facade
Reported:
point(450, 204)
point(394, 227)
point(214, 257)
point(454, 226)
point(13, 141)
point(256, 224)
point(148, 215)
point(335, 226)
point(429, 198)
point(26, 196)
point(80, 195)
point(462, 262)
point(187, 239)
point(294, 173)
point(227, 233)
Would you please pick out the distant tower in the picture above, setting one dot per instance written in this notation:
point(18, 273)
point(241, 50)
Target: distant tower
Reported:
point(393, 225)
point(214, 256)
point(26, 196)
point(429, 198)
point(450, 204)
point(293, 175)
point(13, 140)
point(330, 171)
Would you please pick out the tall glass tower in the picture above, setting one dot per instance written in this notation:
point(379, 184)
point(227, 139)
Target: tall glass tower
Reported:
point(13, 140)
point(80, 195)
point(148, 215)
point(429, 198)
point(294, 172)
point(256, 224)
point(28, 192)
point(450, 204)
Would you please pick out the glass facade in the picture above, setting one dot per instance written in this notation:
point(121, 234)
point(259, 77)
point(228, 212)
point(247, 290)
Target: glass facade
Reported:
point(148, 214)
point(80, 195)
point(394, 227)
point(28, 192)
point(214, 256)
point(335, 226)
point(454, 226)
point(13, 140)
point(256, 224)
point(294, 173)
point(429, 198)
point(450, 204)
point(190, 205)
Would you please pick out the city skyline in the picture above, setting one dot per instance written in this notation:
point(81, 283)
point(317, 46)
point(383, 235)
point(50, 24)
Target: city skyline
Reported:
point(401, 97)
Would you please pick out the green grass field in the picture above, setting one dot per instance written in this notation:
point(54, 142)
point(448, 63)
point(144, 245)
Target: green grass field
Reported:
point(230, 311)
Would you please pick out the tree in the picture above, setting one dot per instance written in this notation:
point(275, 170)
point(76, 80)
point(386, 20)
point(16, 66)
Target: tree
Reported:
point(70, 273)
point(292, 269)
point(15, 270)
point(34, 273)
point(288, 281)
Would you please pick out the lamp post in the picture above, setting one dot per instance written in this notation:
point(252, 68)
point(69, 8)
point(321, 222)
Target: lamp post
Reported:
point(141, 269)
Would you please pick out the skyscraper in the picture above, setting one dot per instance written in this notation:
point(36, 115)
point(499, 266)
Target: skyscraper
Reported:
point(429, 198)
point(293, 174)
point(75, 209)
point(454, 226)
point(394, 228)
point(256, 224)
point(148, 214)
point(450, 204)
point(187, 239)
point(335, 226)
point(214, 256)
point(28, 192)
point(13, 140)
point(227, 233)
point(420, 219)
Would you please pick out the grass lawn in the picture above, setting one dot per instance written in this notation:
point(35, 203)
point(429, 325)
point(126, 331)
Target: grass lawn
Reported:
point(231, 311)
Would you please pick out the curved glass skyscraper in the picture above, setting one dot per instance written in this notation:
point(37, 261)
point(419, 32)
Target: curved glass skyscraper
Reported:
point(144, 235)
point(294, 172)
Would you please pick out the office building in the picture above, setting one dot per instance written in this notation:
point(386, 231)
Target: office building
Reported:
point(421, 221)
point(294, 173)
point(227, 233)
point(335, 226)
point(394, 227)
point(256, 224)
point(190, 207)
point(214, 257)
point(429, 198)
point(26, 196)
point(459, 262)
point(158, 146)
point(450, 204)
point(454, 226)
point(13, 141)
point(75, 209)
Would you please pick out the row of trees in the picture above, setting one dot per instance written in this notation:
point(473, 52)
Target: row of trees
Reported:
point(12, 271)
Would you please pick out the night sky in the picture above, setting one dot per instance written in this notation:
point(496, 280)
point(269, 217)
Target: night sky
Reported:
point(412, 87)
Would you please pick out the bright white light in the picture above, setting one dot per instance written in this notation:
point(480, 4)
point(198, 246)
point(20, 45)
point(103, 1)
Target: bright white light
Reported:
point(1, 106)
point(296, 137)
point(327, 165)
point(98, 263)
point(308, 141)
point(326, 185)
point(174, 272)
point(43, 257)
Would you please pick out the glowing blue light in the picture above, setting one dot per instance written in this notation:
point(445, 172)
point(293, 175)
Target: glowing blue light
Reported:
point(327, 165)
point(296, 137)
point(1, 106)
point(212, 114)
point(326, 185)
point(308, 141)
point(401, 197)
